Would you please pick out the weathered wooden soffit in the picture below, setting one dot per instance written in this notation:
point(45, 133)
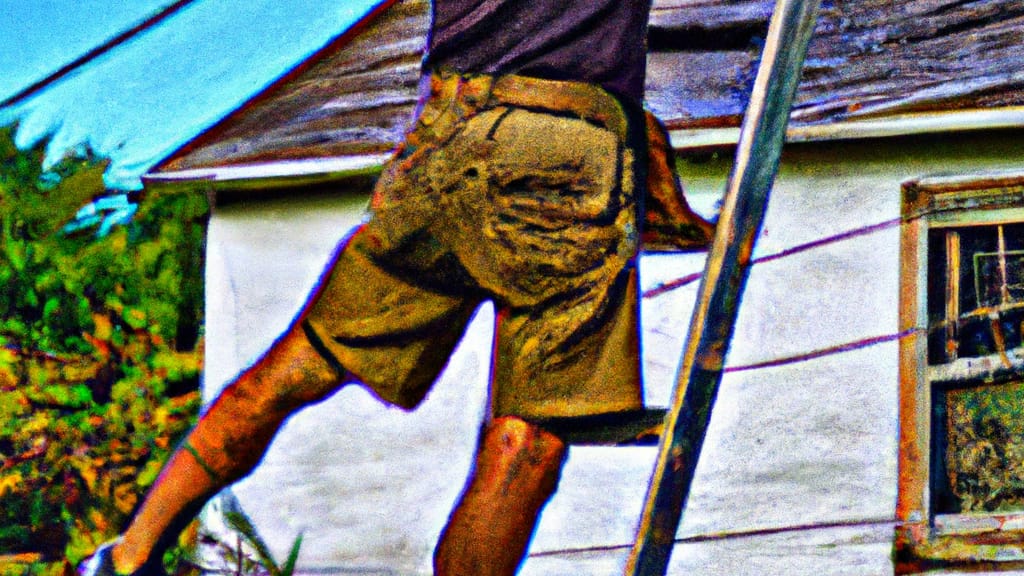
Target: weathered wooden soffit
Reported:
point(867, 59)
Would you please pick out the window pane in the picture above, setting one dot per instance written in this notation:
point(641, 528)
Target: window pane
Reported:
point(937, 282)
point(988, 270)
point(1014, 236)
point(976, 296)
point(974, 241)
point(978, 449)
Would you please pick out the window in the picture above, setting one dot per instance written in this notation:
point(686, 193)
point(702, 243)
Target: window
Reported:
point(961, 492)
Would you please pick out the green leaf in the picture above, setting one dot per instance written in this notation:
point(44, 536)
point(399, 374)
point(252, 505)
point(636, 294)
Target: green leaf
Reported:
point(293, 556)
point(16, 255)
point(241, 523)
point(135, 317)
point(45, 213)
point(16, 532)
point(149, 473)
point(63, 395)
point(52, 305)
point(31, 298)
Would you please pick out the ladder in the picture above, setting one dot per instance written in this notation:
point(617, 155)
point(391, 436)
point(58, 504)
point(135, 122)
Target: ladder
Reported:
point(725, 274)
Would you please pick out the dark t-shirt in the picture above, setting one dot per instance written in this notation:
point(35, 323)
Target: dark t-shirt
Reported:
point(597, 41)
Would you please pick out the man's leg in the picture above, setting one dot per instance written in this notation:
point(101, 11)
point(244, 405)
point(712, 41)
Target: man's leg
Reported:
point(226, 444)
point(517, 468)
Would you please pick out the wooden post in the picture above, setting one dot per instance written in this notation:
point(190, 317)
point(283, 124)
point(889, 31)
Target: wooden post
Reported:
point(952, 295)
point(726, 271)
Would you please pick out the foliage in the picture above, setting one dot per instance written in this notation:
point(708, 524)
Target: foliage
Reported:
point(236, 547)
point(100, 352)
point(241, 524)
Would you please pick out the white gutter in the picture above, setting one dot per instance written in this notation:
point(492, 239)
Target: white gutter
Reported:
point(884, 127)
point(272, 174)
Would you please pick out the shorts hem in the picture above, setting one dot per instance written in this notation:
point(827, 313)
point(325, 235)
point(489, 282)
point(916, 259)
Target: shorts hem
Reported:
point(545, 411)
point(314, 334)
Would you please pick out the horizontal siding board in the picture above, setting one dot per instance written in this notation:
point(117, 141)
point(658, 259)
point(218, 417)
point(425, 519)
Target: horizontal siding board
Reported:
point(858, 278)
point(799, 445)
point(868, 58)
point(855, 550)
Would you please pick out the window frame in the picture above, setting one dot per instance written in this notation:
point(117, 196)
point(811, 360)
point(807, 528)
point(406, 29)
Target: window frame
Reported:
point(923, 538)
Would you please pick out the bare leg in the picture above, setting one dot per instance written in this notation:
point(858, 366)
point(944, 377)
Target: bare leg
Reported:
point(517, 470)
point(227, 443)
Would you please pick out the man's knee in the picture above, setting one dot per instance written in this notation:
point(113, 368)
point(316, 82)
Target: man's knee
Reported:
point(517, 456)
point(517, 470)
point(512, 434)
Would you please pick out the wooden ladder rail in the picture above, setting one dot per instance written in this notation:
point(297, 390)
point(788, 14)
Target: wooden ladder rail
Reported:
point(725, 274)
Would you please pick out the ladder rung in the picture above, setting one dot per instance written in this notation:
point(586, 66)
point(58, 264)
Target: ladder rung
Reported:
point(633, 428)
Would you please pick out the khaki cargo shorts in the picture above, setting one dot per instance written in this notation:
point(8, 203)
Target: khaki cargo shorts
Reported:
point(492, 199)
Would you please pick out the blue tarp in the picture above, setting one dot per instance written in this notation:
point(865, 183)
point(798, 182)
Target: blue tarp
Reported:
point(145, 98)
point(42, 36)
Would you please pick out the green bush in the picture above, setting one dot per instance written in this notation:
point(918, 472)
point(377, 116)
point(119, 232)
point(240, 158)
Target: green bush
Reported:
point(100, 352)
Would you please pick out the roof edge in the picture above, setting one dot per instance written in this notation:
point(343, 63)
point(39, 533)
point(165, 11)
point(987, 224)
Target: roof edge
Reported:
point(909, 124)
point(266, 176)
point(299, 173)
